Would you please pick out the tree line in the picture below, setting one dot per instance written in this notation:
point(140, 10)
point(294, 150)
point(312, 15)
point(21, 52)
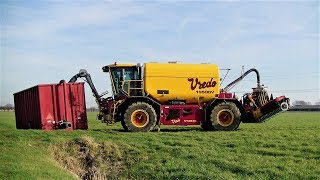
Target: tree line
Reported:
point(10, 107)
point(7, 107)
point(296, 105)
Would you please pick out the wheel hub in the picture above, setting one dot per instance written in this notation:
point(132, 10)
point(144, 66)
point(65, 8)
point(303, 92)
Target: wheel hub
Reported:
point(140, 118)
point(225, 117)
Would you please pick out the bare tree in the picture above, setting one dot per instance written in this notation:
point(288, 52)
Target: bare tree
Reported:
point(92, 109)
point(301, 103)
point(7, 107)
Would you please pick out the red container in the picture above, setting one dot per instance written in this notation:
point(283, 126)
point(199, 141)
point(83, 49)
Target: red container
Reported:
point(51, 106)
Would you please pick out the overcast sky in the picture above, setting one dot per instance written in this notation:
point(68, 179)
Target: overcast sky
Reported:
point(44, 42)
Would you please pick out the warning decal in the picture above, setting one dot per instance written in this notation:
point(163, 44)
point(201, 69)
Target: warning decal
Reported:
point(49, 117)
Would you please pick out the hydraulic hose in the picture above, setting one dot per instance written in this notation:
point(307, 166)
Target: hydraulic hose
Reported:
point(85, 74)
point(229, 86)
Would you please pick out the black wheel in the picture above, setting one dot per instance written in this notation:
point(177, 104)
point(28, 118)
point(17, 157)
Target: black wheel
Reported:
point(139, 117)
point(123, 123)
point(207, 126)
point(284, 106)
point(225, 116)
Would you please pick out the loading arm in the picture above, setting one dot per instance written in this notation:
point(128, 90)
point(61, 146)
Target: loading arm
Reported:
point(85, 74)
point(229, 86)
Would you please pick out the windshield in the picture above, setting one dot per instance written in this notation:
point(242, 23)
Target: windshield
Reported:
point(119, 75)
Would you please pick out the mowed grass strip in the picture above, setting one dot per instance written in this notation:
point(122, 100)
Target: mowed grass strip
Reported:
point(286, 147)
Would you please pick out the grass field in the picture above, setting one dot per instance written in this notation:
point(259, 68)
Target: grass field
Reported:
point(286, 147)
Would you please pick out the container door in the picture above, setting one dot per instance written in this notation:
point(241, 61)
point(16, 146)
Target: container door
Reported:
point(78, 106)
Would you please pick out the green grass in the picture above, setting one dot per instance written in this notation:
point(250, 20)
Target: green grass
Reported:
point(286, 147)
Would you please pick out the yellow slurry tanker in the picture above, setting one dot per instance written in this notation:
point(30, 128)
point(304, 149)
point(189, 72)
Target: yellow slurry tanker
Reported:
point(153, 94)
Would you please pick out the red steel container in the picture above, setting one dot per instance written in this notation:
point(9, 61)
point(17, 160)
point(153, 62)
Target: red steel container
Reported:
point(51, 106)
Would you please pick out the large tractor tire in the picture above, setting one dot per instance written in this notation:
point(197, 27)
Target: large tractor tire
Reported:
point(207, 126)
point(125, 127)
point(139, 117)
point(225, 116)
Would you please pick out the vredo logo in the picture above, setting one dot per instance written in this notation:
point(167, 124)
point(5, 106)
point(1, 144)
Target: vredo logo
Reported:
point(196, 84)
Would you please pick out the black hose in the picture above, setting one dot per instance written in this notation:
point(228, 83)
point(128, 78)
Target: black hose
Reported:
point(74, 78)
point(228, 87)
point(94, 90)
point(85, 74)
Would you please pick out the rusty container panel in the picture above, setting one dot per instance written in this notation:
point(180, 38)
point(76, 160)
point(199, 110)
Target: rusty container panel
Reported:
point(51, 106)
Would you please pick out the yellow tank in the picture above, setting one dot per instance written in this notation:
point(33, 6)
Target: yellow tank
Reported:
point(193, 83)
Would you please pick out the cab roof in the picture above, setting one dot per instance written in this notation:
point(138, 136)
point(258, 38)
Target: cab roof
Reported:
point(106, 68)
point(121, 65)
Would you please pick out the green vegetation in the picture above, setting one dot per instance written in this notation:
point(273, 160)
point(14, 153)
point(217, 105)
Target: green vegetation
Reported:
point(286, 147)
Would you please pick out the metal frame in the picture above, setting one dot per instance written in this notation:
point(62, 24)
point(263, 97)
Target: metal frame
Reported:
point(112, 83)
point(130, 88)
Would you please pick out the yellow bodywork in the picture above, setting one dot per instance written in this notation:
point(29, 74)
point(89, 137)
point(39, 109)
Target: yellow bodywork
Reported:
point(193, 83)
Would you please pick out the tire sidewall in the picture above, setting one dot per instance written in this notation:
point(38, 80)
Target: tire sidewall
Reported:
point(207, 125)
point(230, 107)
point(140, 106)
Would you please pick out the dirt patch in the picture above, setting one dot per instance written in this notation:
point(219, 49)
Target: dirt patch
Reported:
point(89, 159)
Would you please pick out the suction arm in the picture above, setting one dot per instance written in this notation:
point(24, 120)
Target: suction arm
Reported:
point(85, 74)
point(229, 86)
